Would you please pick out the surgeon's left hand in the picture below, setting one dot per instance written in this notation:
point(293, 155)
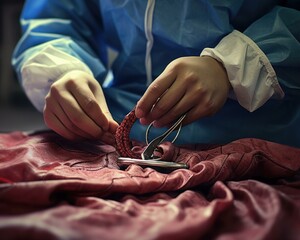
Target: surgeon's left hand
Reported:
point(198, 86)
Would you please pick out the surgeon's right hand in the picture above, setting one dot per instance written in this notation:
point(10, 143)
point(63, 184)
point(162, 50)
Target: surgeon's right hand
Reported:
point(75, 108)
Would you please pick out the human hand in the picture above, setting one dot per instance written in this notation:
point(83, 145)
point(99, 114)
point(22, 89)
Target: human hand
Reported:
point(75, 108)
point(197, 86)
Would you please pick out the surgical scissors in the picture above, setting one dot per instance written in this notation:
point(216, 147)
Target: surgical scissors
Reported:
point(148, 158)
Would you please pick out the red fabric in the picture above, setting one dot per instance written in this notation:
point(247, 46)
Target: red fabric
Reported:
point(54, 189)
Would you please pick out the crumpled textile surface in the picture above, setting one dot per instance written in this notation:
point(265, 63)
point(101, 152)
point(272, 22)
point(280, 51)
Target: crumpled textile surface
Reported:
point(51, 188)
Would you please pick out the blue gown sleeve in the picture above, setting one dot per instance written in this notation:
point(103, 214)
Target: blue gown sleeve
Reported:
point(278, 34)
point(73, 26)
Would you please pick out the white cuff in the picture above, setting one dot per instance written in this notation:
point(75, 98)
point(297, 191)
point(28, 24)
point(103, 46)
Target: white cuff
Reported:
point(44, 68)
point(250, 73)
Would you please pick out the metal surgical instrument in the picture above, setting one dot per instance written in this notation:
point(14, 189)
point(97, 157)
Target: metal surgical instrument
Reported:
point(148, 157)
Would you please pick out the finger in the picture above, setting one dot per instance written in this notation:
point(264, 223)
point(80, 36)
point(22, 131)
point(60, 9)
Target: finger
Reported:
point(99, 95)
point(56, 125)
point(200, 107)
point(196, 113)
point(89, 104)
point(53, 108)
point(170, 117)
point(167, 101)
point(77, 117)
point(108, 138)
point(154, 92)
point(183, 106)
point(113, 125)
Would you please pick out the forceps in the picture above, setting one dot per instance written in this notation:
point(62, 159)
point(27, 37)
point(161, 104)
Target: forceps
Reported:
point(148, 158)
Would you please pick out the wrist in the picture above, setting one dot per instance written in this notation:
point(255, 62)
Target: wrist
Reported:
point(220, 70)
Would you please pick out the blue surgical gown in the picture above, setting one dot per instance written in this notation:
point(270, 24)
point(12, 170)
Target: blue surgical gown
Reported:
point(180, 28)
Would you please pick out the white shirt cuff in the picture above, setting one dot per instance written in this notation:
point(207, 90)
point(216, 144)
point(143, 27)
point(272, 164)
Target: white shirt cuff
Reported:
point(41, 70)
point(250, 73)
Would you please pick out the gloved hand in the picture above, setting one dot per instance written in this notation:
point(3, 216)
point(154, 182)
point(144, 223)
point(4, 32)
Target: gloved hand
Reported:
point(198, 85)
point(75, 108)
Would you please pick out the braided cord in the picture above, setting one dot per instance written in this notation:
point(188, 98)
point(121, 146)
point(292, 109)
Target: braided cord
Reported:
point(123, 143)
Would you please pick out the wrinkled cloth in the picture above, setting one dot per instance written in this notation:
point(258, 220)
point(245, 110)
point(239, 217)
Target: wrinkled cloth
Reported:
point(51, 188)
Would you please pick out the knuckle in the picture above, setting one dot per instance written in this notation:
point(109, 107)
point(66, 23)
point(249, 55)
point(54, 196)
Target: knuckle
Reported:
point(200, 91)
point(54, 91)
point(94, 84)
point(90, 104)
point(71, 84)
point(47, 101)
point(50, 101)
point(154, 89)
point(177, 64)
point(193, 79)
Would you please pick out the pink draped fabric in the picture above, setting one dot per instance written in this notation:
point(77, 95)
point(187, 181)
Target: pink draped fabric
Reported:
point(51, 188)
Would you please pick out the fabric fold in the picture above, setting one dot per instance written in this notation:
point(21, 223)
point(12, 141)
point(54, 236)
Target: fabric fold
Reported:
point(53, 188)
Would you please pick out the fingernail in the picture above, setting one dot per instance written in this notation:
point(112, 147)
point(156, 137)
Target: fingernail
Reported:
point(157, 124)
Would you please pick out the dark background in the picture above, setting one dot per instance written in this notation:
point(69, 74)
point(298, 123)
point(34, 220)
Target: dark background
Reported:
point(16, 112)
